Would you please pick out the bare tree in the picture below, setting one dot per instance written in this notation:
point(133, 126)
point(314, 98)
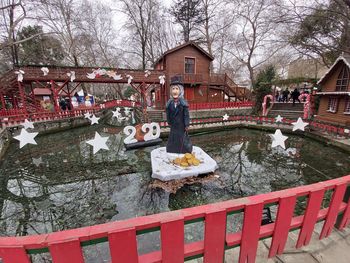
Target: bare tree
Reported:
point(62, 17)
point(13, 13)
point(162, 36)
point(98, 35)
point(141, 14)
point(255, 41)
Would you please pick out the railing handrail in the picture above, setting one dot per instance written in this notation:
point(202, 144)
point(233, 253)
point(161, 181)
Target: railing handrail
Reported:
point(16, 116)
point(217, 105)
point(122, 234)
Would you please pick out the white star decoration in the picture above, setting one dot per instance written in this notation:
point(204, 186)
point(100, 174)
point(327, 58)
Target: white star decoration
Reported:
point(91, 75)
point(225, 117)
point(45, 70)
point(278, 139)
point(37, 161)
point(26, 137)
point(19, 75)
point(94, 119)
point(147, 73)
point(299, 125)
point(27, 124)
point(98, 143)
point(279, 118)
point(87, 115)
point(117, 77)
point(162, 80)
point(130, 78)
point(71, 75)
point(116, 113)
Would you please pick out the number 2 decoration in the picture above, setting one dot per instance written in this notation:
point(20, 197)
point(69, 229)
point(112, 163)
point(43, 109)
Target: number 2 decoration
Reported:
point(152, 133)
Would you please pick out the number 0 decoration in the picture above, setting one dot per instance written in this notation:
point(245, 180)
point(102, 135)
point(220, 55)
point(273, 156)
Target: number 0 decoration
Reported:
point(152, 131)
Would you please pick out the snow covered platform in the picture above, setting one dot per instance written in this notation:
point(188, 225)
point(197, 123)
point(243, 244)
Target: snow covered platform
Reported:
point(164, 169)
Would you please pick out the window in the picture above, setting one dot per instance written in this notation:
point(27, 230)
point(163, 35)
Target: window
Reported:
point(332, 105)
point(190, 65)
point(347, 105)
point(343, 79)
point(189, 93)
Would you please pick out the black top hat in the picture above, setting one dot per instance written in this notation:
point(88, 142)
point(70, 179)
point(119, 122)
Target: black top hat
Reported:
point(176, 80)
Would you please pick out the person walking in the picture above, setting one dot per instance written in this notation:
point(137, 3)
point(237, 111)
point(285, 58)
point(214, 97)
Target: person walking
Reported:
point(285, 95)
point(295, 96)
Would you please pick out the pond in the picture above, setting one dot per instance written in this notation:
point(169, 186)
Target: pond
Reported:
point(59, 183)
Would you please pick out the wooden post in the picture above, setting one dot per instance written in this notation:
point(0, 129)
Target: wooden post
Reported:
point(55, 96)
point(3, 103)
point(22, 95)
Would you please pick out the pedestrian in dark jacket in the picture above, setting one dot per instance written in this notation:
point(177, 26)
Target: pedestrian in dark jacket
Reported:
point(178, 118)
point(285, 95)
point(295, 95)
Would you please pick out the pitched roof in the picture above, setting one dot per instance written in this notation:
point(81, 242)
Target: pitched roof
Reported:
point(190, 43)
point(344, 58)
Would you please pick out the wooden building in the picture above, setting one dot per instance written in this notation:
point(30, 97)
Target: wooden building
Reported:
point(192, 63)
point(335, 93)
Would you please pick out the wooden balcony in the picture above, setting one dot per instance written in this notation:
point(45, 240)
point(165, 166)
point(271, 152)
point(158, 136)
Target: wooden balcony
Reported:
point(192, 78)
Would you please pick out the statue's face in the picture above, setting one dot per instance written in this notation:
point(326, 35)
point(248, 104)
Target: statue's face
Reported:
point(175, 92)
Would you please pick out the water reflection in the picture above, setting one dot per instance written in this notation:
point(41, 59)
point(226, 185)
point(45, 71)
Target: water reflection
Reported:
point(59, 184)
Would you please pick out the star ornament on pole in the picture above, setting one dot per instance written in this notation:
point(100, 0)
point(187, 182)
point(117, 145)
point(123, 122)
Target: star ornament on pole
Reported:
point(28, 124)
point(94, 119)
point(25, 138)
point(299, 125)
point(98, 143)
point(87, 115)
point(278, 139)
point(225, 117)
point(279, 118)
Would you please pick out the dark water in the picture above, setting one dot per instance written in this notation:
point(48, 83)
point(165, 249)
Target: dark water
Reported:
point(59, 184)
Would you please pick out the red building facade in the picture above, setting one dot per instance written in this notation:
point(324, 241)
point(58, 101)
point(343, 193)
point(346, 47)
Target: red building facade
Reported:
point(192, 63)
point(335, 93)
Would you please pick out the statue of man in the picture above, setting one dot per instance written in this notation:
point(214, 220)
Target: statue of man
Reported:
point(178, 118)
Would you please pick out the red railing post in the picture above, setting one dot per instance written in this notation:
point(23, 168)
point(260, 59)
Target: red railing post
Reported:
point(282, 224)
point(214, 238)
point(123, 246)
point(14, 254)
point(333, 211)
point(172, 236)
point(61, 251)
point(250, 232)
point(310, 217)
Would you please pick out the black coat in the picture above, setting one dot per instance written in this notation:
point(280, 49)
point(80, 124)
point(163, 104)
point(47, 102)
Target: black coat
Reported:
point(178, 118)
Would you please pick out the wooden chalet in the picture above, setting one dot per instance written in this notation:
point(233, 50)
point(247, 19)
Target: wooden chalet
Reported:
point(335, 93)
point(192, 63)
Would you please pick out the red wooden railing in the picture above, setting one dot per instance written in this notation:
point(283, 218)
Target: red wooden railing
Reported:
point(314, 125)
point(66, 246)
point(219, 105)
point(16, 116)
